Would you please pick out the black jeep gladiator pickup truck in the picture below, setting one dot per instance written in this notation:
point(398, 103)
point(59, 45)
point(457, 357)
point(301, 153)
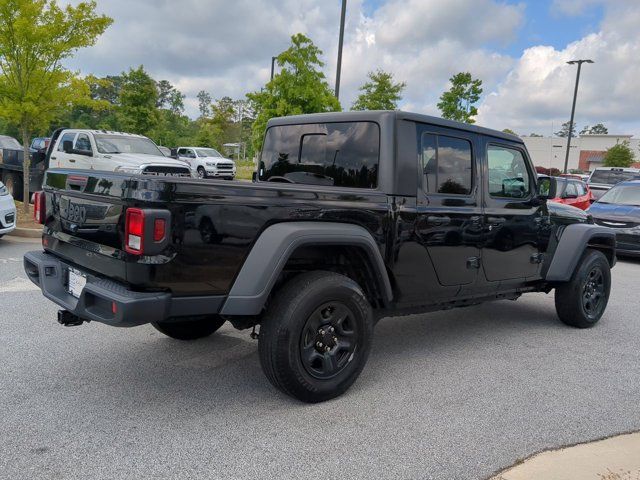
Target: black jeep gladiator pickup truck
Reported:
point(351, 217)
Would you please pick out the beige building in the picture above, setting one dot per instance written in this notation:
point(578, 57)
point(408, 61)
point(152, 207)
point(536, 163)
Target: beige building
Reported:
point(587, 151)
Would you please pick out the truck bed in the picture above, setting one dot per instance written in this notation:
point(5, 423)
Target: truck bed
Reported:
point(213, 224)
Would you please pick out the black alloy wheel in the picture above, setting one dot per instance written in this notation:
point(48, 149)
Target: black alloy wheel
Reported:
point(328, 340)
point(593, 293)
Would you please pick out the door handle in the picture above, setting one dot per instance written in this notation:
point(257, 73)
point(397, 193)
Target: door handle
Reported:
point(496, 220)
point(438, 221)
point(71, 160)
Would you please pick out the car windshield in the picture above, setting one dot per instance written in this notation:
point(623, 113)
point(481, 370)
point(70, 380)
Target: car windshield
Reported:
point(208, 152)
point(125, 144)
point(9, 142)
point(612, 177)
point(623, 195)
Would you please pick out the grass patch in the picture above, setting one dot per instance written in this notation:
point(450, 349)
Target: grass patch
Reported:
point(25, 220)
point(245, 169)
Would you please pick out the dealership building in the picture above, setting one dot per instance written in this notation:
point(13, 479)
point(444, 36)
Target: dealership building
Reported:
point(586, 152)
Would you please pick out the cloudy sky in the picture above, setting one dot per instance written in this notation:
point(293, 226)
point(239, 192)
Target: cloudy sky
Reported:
point(518, 49)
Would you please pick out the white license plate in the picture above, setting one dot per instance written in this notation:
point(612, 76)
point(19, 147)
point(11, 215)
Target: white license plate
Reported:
point(77, 281)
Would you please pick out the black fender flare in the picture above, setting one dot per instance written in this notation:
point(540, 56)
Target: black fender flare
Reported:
point(574, 241)
point(273, 248)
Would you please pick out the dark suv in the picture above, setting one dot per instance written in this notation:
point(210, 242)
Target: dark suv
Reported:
point(351, 217)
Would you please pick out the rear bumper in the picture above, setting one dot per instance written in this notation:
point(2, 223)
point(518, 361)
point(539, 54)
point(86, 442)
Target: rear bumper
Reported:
point(112, 303)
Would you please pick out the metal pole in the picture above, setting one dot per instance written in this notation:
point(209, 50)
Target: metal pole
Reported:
point(273, 66)
point(340, 43)
point(573, 109)
point(573, 112)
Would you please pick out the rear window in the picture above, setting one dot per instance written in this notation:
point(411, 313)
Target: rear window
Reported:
point(612, 177)
point(342, 154)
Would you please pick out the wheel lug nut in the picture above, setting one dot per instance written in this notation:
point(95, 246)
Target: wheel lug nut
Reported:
point(331, 329)
point(326, 349)
point(321, 332)
point(319, 345)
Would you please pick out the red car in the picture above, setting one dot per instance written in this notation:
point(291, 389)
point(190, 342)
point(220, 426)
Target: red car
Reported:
point(573, 192)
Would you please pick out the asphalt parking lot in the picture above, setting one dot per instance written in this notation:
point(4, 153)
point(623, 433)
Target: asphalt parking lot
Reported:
point(450, 395)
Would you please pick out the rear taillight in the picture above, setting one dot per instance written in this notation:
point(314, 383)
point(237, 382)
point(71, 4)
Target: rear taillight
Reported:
point(39, 207)
point(134, 231)
point(146, 232)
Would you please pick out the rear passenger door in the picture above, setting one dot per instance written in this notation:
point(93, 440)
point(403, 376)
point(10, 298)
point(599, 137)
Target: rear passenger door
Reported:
point(513, 216)
point(449, 215)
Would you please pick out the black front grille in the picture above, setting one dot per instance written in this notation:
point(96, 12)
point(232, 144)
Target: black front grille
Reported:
point(225, 166)
point(167, 171)
point(9, 218)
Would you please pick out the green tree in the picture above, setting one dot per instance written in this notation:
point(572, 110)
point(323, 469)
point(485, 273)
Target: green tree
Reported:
point(300, 87)
point(597, 129)
point(138, 100)
point(535, 135)
point(619, 155)
point(509, 131)
point(204, 103)
point(458, 103)
point(379, 93)
point(36, 36)
point(564, 130)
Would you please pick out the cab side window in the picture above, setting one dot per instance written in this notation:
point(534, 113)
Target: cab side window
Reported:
point(67, 137)
point(83, 142)
point(509, 175)
point(447, 165)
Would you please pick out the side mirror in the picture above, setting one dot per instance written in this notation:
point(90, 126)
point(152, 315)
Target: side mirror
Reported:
point(547, 188)
point(67, 146)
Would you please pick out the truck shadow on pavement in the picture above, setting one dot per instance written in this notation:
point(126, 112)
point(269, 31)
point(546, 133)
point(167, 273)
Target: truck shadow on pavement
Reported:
point(224, 370)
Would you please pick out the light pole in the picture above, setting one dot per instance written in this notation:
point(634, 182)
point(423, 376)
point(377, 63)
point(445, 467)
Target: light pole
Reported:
point(340, 43)
point(273, 66)
point(573, 109)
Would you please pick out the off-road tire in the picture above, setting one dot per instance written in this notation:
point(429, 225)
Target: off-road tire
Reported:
point(202, 173)
point(192, 329)
point(286, 332)
point(581, 302)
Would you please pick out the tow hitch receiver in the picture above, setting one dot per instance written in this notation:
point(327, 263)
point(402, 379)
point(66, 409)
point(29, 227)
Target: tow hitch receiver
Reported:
point(68, 319)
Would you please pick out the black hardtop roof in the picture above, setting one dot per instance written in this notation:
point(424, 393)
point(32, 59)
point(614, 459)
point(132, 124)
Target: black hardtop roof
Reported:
point(378, 115)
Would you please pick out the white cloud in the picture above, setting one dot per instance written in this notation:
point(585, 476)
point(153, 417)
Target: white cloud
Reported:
point(226, 48)
point(539, 89)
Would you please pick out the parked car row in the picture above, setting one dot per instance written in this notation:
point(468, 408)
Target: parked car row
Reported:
point(106, 151)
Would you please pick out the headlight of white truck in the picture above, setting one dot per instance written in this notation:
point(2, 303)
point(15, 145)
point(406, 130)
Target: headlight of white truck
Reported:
point(131, 170)
point(211, 164)
point(3, 190)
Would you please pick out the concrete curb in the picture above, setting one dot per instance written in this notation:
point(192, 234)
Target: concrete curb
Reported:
point(26, 233)
point(612, 458)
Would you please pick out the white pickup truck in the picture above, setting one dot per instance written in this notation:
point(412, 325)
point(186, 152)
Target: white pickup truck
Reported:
point(113, 152)
point(208, 162)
